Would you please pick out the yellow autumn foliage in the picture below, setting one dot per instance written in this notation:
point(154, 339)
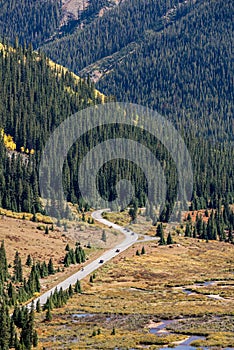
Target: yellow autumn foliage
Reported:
point(8, 140)
point(11, 145)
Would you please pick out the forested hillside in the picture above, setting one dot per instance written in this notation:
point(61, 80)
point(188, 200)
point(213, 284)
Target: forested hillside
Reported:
point(173, 56)
point(31, 21)
point(183, 71)
point(36, 22)
point(34, 98)
point(176, 58)
point(119, 27)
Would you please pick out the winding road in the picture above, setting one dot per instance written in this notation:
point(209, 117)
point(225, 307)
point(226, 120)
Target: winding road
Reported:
point(130, 238)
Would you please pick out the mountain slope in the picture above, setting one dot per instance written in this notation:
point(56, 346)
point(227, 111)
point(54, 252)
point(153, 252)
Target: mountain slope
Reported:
point(35, 96)
point(112, 32)
point(185, 72)
point(173, 56)
point(29, 20)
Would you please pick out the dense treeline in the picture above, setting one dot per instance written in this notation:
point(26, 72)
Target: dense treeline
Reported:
point(18, 182)
point(219, 224)
point(15, 289)
point(30, 20)
point(116, 29)
point(34, 99)
point(59, 298)
point(184, 72)
point(182, 67)
point(37, 97)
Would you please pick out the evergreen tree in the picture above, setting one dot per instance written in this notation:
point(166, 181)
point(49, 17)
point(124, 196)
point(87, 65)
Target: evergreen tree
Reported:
point(4, 327)
point(77, 288)
point(29, 261)
point(70, 291)
point(3, 263)
point(48, 316)
point(169, 239)
point(103, 236)
point(51, 267)
point(18, 272)
point(159, 230)
point(188, 231)
point(38, 306)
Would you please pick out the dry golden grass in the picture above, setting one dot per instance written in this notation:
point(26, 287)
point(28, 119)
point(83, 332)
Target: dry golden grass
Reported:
point(23, 235)
point(146, 287)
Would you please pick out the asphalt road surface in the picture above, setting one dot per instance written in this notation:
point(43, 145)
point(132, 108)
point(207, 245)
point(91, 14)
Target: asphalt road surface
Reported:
point(130, 238)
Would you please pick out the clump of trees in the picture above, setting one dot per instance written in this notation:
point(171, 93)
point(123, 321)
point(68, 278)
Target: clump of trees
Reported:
point(76, 256)
point(59, 298)
point(220, 225)
point(14, 289)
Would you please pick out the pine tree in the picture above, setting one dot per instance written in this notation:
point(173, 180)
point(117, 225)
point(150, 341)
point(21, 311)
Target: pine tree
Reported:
point(38, 306)
point(4, 327)
point(159, 230)
point(169, 239)
point(77, 288)
point(162, 239)
point(3, 263)
point(230, 235)
point(48, 317)
point(51, 267)
point(70, 291)
point(104, 236)
point(18, 271)
point(188, 232)
point(12, 334)
point(29, 261)
point(35, 339)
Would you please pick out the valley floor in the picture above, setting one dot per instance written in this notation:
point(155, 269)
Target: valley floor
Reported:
point(190, 283)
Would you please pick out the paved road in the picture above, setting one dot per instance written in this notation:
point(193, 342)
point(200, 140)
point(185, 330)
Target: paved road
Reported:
point(130, 238)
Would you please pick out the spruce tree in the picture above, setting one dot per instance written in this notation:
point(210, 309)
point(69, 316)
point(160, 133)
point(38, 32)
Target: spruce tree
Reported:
point(38, 306)
point(48, 316)
point(18, 271)
point(104, 236)
point(77, 288)
point(169, 239)
point(3, 263)
point(29, 261)
point(51, 267)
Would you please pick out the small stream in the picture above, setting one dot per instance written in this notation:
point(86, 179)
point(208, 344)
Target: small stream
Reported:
point(185, 345)
point(188, 291)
